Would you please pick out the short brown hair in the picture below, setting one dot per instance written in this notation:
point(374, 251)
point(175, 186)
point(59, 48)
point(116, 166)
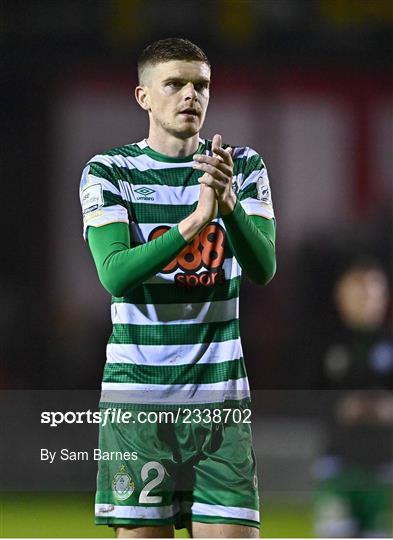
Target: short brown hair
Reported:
point(168, 49)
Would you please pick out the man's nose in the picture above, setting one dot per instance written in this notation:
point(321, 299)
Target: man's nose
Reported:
point(190, 92)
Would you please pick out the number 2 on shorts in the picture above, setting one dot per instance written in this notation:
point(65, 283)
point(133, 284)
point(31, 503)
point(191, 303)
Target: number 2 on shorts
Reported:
point(144, 497)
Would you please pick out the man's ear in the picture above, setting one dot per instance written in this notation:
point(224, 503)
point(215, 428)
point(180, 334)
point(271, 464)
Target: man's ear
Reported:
point(142, 97)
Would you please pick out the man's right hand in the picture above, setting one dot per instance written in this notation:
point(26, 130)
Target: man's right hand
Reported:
point(205, 211)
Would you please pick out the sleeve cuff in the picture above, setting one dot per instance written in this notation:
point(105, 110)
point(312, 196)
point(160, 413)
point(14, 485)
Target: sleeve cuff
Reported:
point(236, 214)
point(177, 238)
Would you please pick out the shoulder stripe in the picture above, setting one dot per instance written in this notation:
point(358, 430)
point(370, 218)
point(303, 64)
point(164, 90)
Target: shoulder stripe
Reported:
point(106, 184)
point(142, 162)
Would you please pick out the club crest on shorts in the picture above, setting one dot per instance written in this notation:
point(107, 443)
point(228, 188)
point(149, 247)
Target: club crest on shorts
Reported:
point(122, 484)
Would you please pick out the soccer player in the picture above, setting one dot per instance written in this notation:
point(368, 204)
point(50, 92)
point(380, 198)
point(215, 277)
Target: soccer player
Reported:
point(171, 221)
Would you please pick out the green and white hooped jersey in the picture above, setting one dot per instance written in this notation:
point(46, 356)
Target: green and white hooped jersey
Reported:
point(175, 338)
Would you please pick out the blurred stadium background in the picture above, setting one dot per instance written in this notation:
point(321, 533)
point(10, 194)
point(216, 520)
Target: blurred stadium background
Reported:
point(308, 85)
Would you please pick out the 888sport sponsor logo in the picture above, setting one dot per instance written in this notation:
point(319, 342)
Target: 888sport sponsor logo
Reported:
point(206, 252)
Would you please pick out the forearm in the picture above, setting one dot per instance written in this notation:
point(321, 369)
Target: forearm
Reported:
point(192, 225)
point(121, 267)
point(252, 240)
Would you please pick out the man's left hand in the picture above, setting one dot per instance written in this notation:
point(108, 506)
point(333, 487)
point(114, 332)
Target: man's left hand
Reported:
point(218, 174)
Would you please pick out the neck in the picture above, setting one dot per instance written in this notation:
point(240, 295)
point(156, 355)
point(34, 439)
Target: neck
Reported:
point(172, 146)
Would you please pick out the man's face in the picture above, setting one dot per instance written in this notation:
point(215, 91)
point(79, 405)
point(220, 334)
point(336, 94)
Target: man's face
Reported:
point(362, 297)
point(177, 96)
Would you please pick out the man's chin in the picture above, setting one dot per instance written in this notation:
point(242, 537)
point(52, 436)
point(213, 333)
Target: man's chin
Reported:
point(185, 132)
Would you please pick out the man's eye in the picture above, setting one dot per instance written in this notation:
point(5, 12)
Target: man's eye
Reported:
point(202, 86)
point(174, 84)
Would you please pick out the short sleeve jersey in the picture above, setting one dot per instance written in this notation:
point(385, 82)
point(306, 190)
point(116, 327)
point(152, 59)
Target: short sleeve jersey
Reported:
point(175, 338)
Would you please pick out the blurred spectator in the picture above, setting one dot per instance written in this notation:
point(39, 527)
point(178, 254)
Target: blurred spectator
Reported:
point(354, 492)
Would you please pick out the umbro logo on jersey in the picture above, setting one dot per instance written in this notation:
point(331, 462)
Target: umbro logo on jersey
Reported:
point(144, 194)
